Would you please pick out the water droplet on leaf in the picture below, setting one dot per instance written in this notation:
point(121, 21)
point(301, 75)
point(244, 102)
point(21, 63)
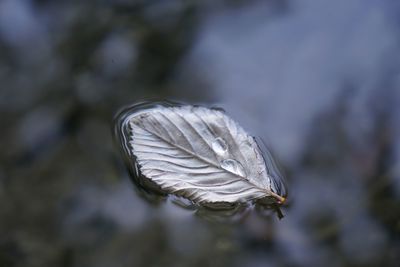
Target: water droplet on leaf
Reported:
point(233, 166)
point(219, 146)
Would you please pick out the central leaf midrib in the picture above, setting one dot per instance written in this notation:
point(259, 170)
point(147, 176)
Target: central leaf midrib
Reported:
point(191, 153)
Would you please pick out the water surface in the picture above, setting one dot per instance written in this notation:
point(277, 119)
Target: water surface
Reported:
point(319, 81)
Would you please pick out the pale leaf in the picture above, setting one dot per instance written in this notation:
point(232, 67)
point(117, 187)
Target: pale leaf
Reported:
point(200, 154)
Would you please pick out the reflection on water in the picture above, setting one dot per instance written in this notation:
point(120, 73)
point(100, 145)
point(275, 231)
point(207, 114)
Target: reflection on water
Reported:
point(319, 80)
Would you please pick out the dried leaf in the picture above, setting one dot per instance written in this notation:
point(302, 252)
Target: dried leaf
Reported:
point(200, 154)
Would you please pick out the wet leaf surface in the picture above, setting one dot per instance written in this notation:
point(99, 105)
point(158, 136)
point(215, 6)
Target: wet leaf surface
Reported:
point(197, 153)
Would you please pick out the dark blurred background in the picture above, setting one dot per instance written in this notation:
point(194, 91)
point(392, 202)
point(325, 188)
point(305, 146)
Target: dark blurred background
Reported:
point(318, 80)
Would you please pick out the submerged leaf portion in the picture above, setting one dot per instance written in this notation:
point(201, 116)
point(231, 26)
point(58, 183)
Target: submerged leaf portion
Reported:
point(199, 154)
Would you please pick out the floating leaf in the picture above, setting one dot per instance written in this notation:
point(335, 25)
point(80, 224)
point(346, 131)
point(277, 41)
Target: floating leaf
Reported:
point(197, 153)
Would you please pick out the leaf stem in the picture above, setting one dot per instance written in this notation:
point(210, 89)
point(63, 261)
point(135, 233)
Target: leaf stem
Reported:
point(281, 200)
